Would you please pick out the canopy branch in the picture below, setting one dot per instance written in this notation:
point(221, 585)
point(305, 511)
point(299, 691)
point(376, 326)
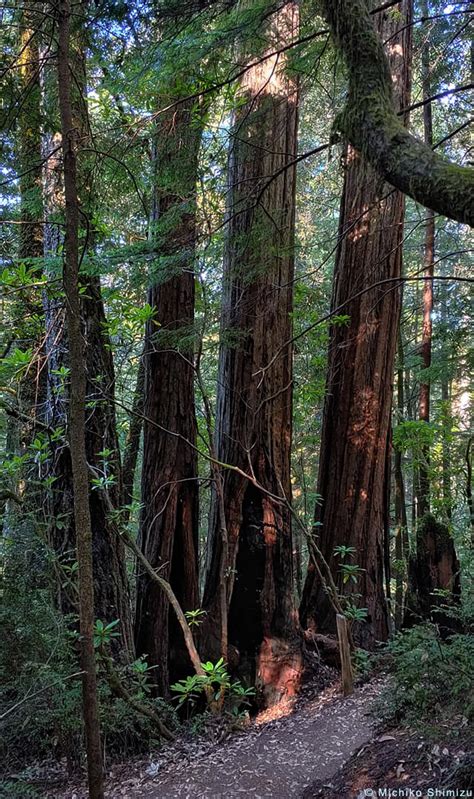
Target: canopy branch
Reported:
point(370, 123)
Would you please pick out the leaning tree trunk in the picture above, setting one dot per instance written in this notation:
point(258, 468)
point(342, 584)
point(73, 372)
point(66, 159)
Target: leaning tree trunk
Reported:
point(253, 425)
point(353, 459)
point(112, 600)
point(168, 534)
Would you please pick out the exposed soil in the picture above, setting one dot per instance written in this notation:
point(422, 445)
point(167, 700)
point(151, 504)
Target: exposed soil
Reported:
point(276, 757)
point(403, 760)
point(320, 745)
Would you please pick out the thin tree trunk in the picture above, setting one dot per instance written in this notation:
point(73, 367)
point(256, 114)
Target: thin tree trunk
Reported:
point(168, 534)
point(112, 600)
point(401, 521)
point(447, 420)
point(132, 443)
point(77, 411)
point(423, 502)
point(253, 567)
point(433, 566)
point(356, 419)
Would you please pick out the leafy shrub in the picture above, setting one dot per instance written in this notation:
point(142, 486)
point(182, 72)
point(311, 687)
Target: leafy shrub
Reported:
point(362, 662)
point(216, 685)
point(38, 695)
point(40, 685)
point(17, 789)
point(431, 677)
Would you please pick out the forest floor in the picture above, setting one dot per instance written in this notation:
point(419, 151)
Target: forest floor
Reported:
point(277, 756)
point(401, 761)
point(320, 745)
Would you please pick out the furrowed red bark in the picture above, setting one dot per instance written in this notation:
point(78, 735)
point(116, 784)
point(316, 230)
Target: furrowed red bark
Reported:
point(370, 123)
point(253, 423)
point(168, 534)
point(77, 411)
point(353, 457)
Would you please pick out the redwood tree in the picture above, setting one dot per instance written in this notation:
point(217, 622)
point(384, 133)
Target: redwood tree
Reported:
point(30, 250)
point(168, 534)
point(251, 553)
point(353, 463)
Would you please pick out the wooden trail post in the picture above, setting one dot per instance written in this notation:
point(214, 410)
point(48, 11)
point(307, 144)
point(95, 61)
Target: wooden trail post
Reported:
point(345, 652)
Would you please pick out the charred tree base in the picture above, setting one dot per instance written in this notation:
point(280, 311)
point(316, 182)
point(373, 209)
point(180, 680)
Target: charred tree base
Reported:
point(280, 670)
point(433, 581)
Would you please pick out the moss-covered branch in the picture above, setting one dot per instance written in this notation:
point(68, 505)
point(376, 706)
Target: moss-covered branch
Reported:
point(370, 123)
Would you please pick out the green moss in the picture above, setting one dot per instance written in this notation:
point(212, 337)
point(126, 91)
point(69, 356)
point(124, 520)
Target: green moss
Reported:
point(370, 123)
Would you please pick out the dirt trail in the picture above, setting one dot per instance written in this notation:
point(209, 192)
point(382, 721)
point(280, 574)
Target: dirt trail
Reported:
point(275, 759)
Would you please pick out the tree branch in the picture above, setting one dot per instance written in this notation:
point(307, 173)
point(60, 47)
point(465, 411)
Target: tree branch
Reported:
point(370, 123)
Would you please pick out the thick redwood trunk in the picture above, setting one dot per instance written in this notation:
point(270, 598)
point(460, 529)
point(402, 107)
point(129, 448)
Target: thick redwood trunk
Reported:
point(29, 139)
point(353, 460)
point(112, 598)
point(169, 524)
point(253, 425)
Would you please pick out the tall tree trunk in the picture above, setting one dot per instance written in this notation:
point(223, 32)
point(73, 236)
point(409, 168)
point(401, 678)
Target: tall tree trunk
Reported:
point(356, 420)
point(168, 534)
point(434, 565)
point(447, 424)
point(27, 311)
point(29, 139)
point(423, 499)
point(401, 521)
point(132, 443)
point(112, 600)
point(77, 411)
point(253, 424)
